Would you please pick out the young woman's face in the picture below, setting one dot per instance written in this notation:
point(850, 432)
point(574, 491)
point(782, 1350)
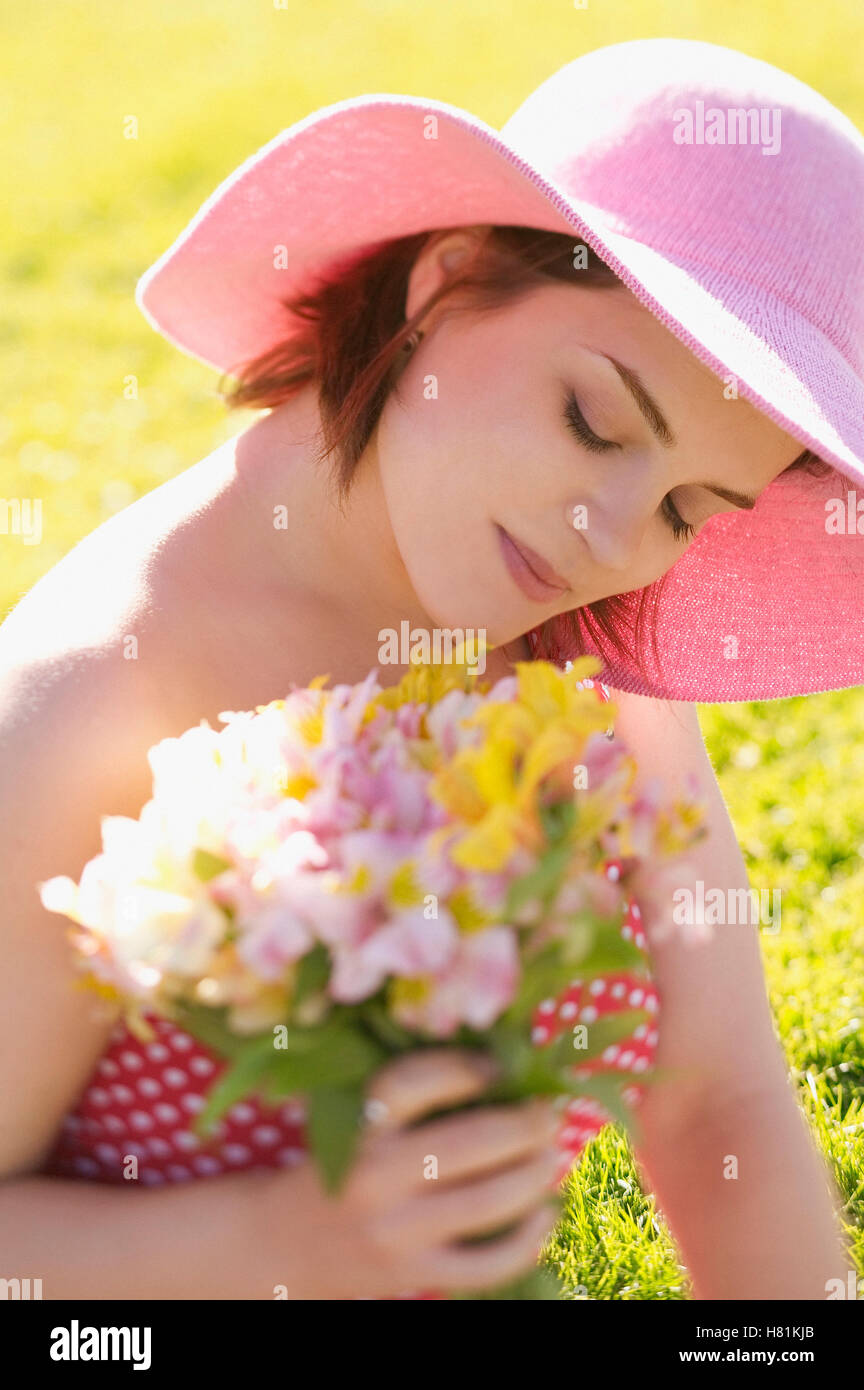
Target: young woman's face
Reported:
point(482, 463)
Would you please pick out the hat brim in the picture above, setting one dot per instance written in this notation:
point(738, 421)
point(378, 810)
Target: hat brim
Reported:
point(373, 168)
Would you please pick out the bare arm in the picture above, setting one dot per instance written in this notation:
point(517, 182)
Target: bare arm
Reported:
point(723, 1142)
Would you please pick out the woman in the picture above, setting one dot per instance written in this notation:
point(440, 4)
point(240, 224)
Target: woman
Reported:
point(445, 360)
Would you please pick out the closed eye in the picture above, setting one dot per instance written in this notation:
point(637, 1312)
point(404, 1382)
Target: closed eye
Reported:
point(579, 426)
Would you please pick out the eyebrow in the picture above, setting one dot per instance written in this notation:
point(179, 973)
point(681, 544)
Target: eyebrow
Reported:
point(662, 430)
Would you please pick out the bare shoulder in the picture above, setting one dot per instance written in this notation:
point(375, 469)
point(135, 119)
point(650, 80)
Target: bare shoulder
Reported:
point(664, 736)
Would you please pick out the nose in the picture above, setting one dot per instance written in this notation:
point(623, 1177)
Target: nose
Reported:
point(613, 522)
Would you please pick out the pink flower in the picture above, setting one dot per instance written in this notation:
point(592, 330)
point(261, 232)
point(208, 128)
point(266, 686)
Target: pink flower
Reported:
point(410, 944)
point(476, 987)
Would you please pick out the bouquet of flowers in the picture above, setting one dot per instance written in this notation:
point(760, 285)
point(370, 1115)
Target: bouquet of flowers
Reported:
point(349, 873)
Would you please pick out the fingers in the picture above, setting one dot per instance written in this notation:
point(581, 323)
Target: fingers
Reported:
point(484, 1266)
point(475, 1209)
point(405, 1090)
point(458, 1147)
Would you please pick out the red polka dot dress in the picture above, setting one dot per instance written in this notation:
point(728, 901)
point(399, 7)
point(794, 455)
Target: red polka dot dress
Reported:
point(134, 1118)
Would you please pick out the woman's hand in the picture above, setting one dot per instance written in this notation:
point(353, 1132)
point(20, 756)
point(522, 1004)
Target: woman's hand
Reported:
point(416, 1190)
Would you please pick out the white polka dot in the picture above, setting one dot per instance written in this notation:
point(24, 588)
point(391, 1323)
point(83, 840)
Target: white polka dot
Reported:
point(177, 1173)
point(265, 1135)
point(242, 1113)
point(157, 1052)
point(159, 1148)
point(547, 1006)
point(626, 1058)
point(108, 1068)
point(113, 1124)
point(83, 1164)
point(123, 1094)
point(149, 1086)
point(640, 1031)
point(652, 1038)
point(651, 1003)
point(641, 1064)
point(98, 1096)
point(293, 1112)
point(569, 1009)
point(589, 1014)
point(636, 996)
point(139, 1119)
point(627, 933)
point(539, 1034)
point(206, 1164)
point(152, 1177)
point(618, 991)
point(613, 872)
point(290, 1157)
point(202, 1066)
point(184, 1141)
point(131, 1061)
point(611, 1053)
point(173, 1076)
point(597, 987)
point(107, 1152)
point(193, 1104)
point(236, 1153)
point(166, 1114)
point(182, 1042)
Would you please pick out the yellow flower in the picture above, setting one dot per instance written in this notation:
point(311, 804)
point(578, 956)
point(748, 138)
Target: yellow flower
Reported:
point(467, 913)
point(489, 845)
point(404, 992)
point(403, 889)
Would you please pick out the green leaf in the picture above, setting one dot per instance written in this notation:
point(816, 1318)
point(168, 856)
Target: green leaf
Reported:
point(209, 1026)
point(206, 865)
point(240, 1078)
point(607, 1089)
point(333, 1055)
point(558, 819)
point(313, 972)
point(544, 976)
point(610, 954)
point(612, 1028)
point(393, 1036)
point(333, 1118)
point(541, 883)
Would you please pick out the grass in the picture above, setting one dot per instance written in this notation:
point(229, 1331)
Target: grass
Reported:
point(792, 773)
point(87, 210)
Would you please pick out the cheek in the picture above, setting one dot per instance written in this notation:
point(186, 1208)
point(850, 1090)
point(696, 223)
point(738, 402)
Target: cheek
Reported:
point(439, 508)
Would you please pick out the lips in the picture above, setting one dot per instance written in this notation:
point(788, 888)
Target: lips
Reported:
point(536, 579)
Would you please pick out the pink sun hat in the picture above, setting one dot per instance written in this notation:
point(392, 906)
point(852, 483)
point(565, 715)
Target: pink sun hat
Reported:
point(725, 193)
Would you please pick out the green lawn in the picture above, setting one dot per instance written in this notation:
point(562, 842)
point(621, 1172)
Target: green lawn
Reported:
point(86, 211)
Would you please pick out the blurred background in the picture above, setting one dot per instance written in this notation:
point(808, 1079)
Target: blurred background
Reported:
point(87, 210)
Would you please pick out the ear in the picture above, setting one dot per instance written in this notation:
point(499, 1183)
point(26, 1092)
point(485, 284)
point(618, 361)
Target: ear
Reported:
point(443, 255)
